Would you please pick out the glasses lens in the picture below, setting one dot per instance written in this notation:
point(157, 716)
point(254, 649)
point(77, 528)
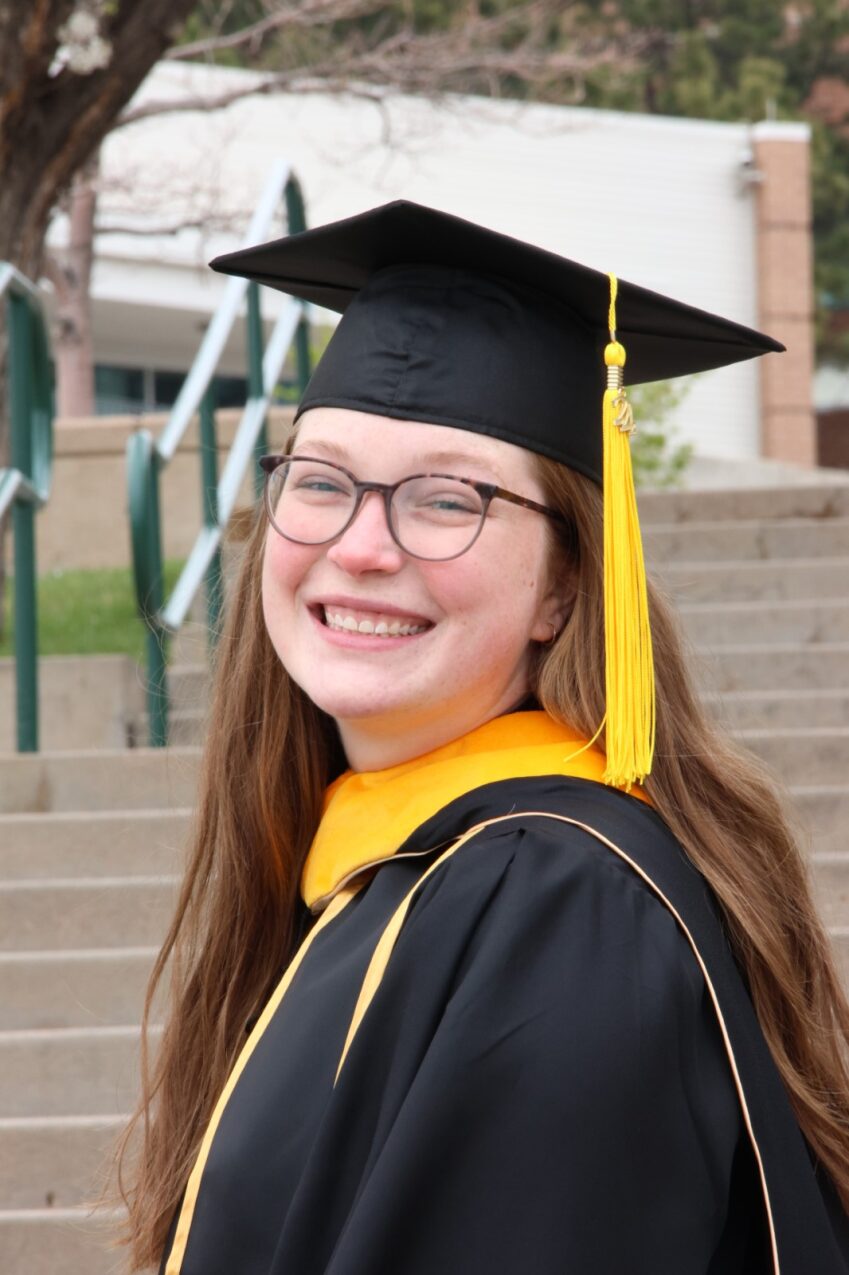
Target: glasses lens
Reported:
point(309, 501)
point(436, 516)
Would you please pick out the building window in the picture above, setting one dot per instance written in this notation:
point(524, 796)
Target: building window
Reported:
point(118, 390)
point(122, 390)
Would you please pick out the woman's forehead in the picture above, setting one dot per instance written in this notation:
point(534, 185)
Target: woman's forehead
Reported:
point(356, 438)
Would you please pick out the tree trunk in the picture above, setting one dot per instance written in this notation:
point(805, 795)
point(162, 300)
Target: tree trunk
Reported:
point(54, 116)
point(3, 417)
point(70, 273)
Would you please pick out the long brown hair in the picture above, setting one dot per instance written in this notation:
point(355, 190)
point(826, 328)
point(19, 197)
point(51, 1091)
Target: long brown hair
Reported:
point(268, 757)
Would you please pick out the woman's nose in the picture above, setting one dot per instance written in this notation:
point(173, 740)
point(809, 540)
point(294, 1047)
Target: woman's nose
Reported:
point(367, 544)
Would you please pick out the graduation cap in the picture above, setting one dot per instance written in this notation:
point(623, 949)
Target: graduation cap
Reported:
point(452, 323)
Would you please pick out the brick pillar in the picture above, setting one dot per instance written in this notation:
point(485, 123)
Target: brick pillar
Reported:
point(781, 155)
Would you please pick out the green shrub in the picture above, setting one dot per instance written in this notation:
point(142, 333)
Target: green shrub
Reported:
point(659, 459)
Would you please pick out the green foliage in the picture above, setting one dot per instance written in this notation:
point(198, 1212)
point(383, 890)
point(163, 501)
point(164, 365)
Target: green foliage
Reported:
point(760, 90)
point(659, 459)
point(87, 612)
point(818, 47)
point(830, 173)
point(692, 84)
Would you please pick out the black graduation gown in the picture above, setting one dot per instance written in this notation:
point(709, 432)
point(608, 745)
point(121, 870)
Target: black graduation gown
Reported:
point(541, 1083)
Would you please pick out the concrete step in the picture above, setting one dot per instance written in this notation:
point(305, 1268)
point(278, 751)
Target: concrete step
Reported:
point(713, 624)
point(189, 690)
point(95, 987)
point(96, 843)
point(785, 665)
point(793, 579)
point(84, 700)
point(802, 756)
point(85, 912)
point(190, 645)
point(839, 935)
point(830, 876)
point(147, 778)
point(747, 540)
point(819, 500)
point(188, 686)
point(51, 1162)
point(58, 1242)
point(69, 1071)
point(780, 710)
point(822, 812)
point(186, 726)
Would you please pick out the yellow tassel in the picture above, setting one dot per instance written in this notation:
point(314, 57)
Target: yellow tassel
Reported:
point(629, 664)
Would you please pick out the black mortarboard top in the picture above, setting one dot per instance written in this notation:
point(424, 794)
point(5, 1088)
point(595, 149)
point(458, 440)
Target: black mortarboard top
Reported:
point(449, 322)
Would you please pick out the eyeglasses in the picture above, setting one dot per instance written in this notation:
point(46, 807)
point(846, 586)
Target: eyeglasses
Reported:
point(431, 516)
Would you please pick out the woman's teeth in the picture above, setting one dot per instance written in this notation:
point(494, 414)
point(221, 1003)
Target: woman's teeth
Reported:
point(380, 627)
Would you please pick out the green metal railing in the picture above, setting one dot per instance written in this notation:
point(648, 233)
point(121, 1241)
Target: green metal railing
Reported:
point(25, 483)
point(148, 457)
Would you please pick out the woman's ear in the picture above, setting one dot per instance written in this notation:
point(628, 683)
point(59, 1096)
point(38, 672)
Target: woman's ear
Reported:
point(555, 609)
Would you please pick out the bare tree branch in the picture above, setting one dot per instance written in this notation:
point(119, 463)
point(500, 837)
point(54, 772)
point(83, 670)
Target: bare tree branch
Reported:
point(285, 81)
point(409, 62)
point(56, 275)
point(172, 228)
point(312, 13)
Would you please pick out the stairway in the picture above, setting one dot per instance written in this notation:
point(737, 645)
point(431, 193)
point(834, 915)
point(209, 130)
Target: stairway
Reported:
point(90, 842)
point(90, 847)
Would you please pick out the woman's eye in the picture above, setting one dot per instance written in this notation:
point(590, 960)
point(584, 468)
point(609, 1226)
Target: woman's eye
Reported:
point(318, 484)
point(451, 504)
point(447, 503)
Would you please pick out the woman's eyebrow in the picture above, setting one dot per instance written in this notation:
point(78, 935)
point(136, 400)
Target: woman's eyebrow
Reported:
point(340, 454)
point(460, 458)
point(350, 459)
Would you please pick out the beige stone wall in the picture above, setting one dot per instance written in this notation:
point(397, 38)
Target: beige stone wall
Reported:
point(85, 523)
point(785, 294)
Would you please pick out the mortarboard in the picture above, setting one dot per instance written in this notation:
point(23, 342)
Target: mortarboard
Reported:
point(453, 323)
point(449, 322)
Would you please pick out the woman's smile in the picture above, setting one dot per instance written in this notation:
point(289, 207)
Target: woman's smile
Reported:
point(368, 616)
point(378, 623)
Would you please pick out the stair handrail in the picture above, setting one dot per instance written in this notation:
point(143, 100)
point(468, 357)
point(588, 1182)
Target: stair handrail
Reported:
point(148, 457)
point(25, 482)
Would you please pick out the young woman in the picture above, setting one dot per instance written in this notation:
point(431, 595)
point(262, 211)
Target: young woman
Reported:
point(444, 998)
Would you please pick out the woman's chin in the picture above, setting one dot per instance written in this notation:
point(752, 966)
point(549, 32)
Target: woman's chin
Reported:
point(370, 711)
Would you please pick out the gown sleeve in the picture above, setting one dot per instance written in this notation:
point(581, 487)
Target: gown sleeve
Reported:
point(543, 1082)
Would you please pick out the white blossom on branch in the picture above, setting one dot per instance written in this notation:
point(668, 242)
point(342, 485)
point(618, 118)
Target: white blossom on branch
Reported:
point(82, 46)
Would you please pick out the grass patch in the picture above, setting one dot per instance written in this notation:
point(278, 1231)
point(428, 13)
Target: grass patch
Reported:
point(87, 612)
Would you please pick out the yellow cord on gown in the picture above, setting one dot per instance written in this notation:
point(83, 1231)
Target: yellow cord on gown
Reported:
point(629, 663)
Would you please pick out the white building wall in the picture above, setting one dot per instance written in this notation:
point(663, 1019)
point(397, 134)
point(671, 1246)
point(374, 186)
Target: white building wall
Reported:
point(662, 202)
